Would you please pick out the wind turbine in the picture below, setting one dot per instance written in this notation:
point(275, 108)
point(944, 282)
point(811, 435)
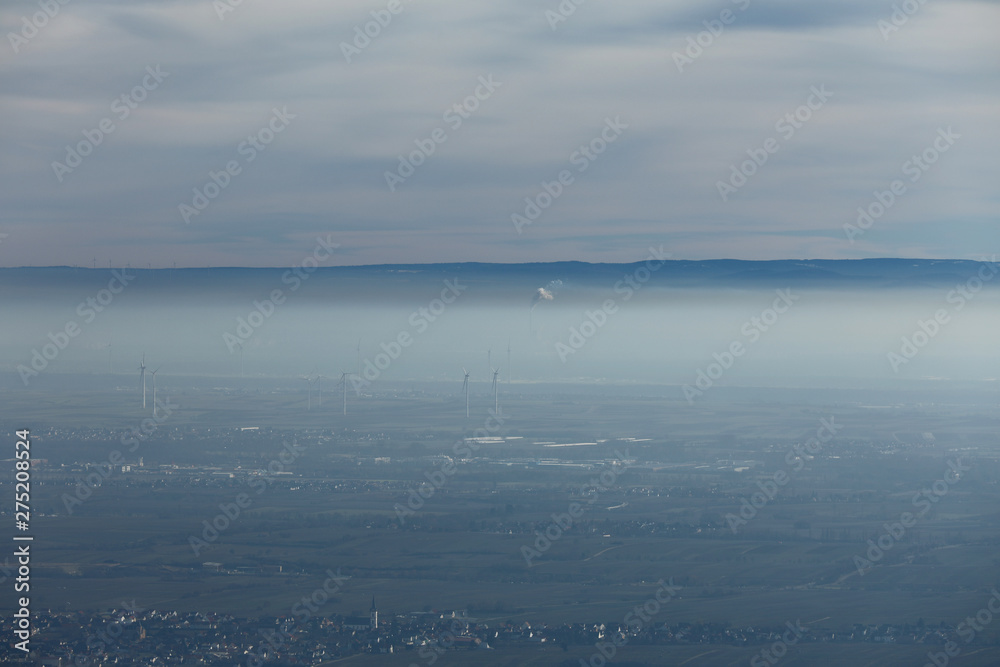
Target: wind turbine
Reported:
point(153, 373)
point(142, 378)
point(240, 345)
point(110, 371)
point(465, 388)
point(309, 392)
point(496, 403)
point(313, 377)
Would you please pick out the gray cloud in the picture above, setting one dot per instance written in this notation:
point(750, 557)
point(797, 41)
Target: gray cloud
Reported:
point(326, 171)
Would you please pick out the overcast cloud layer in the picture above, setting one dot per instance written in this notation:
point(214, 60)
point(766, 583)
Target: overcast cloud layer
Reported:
point(892, 94)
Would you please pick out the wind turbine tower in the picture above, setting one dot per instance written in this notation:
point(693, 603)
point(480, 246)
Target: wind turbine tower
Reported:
point(496, 402)
point(309, 392)
point(142, 378)
point(465, 388)
point(153, 373)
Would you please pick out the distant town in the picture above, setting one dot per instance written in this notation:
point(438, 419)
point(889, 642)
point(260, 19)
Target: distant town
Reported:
point(129, 636)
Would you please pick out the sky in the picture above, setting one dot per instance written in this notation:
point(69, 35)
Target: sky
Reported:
point(237, 133)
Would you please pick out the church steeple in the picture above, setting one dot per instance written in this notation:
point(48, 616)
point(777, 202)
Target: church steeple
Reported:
point(373, 614)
